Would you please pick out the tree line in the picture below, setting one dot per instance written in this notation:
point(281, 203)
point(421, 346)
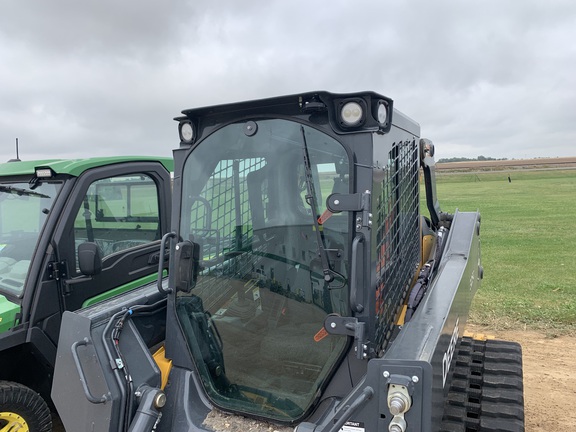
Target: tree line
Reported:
point(464, 159)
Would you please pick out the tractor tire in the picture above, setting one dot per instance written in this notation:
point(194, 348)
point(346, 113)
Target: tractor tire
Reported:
point(486, 393)
point(23, 409)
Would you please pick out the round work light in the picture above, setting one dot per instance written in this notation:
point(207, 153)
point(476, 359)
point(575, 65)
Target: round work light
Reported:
point(382, 113)
point(351, 114)
point(186, 132)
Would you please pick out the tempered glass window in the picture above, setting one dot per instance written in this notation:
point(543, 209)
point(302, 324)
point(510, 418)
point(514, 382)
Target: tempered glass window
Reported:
point(23, 212)
point(119, 213)
point(254, 320)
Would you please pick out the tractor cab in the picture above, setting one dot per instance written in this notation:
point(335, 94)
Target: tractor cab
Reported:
point(276, 212)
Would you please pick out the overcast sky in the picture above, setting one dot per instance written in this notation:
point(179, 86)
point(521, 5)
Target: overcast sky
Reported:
point(87, 78)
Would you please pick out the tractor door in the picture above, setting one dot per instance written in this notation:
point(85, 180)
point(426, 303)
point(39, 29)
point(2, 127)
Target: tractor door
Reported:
point(109, 240)
point(254, 319)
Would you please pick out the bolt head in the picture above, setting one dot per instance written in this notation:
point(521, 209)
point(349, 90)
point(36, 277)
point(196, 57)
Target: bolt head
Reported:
point(415, 379)
point(332, 325)
point(386, 374)
point(397, 406)
point(159, 400)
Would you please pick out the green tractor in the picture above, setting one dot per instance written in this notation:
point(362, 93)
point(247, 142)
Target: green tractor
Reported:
point(72, 233)
point(306, 288)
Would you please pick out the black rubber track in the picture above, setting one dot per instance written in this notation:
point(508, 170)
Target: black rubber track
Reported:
point(486, 393)
point(28, 404)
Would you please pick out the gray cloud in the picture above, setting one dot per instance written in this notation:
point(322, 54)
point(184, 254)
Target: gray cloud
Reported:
point(79, 79)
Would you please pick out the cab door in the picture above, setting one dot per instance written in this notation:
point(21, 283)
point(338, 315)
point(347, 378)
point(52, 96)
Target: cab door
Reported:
point(124, 210)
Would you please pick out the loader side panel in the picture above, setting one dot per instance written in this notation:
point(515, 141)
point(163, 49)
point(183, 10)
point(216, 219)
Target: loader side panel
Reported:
point(438, 324)
point(420, 357)
point(89, 388)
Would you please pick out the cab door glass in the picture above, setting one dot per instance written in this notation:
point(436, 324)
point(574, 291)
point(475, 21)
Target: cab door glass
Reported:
point(118, 213)
point(254, 319)
point(23, 212)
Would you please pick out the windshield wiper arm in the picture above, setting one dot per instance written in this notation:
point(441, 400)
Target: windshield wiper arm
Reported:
point(311, 201)
point(21, 192)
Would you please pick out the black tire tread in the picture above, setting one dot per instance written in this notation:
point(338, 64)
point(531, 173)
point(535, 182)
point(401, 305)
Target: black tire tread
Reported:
point(26, 403)
point(486, 393)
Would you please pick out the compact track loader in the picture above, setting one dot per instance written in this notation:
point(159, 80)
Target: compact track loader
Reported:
point(305, 287)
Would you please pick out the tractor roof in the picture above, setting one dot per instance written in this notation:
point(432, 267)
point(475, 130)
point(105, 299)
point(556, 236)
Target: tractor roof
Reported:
point(75, 167)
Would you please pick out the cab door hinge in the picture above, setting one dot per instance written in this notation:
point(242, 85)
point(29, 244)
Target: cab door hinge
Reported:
point(349, 326)
point(57, 270)
point(357, 202)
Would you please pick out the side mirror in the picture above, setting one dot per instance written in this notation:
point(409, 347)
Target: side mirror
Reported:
point(187, 258)
point(89, 258)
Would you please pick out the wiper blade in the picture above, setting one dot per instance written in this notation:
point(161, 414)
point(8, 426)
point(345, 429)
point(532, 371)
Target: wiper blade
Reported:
point(21, 192)
point(311, 201)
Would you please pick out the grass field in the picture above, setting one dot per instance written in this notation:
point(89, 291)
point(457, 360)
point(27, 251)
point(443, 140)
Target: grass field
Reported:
point(528, 246)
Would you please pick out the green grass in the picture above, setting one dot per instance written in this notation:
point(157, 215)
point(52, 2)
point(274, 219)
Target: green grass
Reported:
point(528, 246)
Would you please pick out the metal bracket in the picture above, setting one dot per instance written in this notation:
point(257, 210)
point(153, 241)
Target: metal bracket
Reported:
point(57, 270)
point(358, 202)
point(349, 326)
point(337, 203)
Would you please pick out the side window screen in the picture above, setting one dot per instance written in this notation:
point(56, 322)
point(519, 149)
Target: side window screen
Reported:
point(119, 213)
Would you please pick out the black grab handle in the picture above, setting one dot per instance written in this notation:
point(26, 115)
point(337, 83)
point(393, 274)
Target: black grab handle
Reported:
point(354, 304)
point(163, 243)
point(87, 392)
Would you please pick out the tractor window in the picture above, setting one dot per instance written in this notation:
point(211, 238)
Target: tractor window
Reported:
point(254, 320)
point(23, 212)
point(119, 213)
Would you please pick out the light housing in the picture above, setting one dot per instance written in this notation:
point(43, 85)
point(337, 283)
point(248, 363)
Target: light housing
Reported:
point(43, 173)
point(186, 131)
point(382, 113)
point(352, 112)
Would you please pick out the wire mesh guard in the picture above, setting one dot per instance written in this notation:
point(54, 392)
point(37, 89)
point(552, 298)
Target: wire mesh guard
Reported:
point(397, 237)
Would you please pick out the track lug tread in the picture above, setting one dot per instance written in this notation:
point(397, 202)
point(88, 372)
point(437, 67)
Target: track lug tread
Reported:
point(486, 392)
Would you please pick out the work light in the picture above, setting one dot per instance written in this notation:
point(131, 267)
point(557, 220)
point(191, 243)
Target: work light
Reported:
point(382, 113)
point(44, 172)
point(351, 114)
point(186, 131)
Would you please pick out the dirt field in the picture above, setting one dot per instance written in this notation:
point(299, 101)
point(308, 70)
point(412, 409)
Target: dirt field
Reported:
point(549, 378)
